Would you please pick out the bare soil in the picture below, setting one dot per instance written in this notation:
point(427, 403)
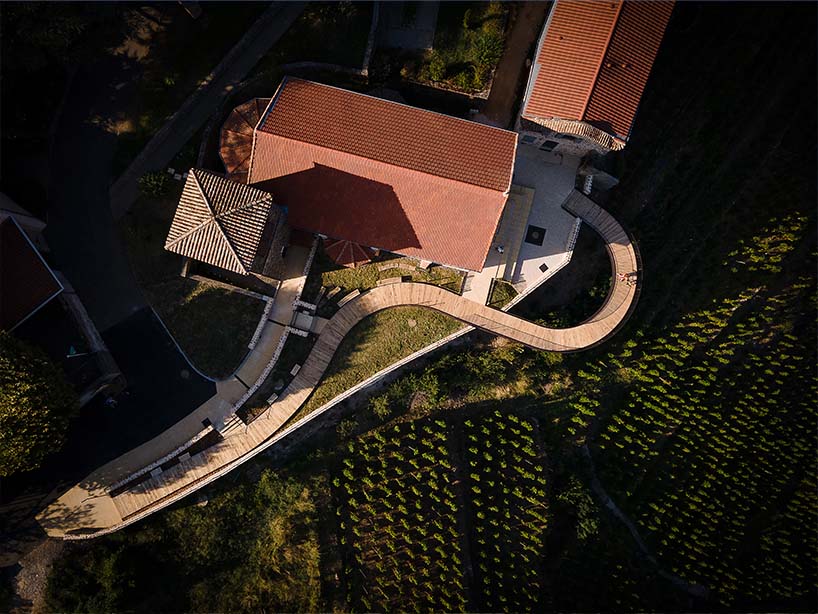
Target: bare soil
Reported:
point(511, 74)
point(32, 577)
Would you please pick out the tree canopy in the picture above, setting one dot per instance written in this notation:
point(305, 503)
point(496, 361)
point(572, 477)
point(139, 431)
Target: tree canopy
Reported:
point(36, 404)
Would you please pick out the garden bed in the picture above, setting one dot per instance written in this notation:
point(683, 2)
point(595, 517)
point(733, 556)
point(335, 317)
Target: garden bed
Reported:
point(211, 324)
point(329, 32)
point(502, 293)
point(468, 45)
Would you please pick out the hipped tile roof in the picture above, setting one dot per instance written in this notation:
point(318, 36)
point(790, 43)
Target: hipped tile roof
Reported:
point(219, 221)
point(593, 64)
point(383, 174)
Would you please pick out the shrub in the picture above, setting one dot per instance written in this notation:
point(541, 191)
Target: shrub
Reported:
point(380, 407)
point(487, 49)
point(346, 427)
point(154, 184)
point(36, 404)
point(437, 67)
point(464, 80)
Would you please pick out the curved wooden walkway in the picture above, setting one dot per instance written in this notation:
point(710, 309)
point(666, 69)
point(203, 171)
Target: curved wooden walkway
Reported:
point(89, 509)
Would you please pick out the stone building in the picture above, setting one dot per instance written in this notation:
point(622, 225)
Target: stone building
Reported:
point(591, 67)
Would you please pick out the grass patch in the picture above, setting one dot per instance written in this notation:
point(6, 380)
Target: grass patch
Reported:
point(468, 44)
point(181, 56)
point(374, 344)
point(502, 294)
point(331, 32)
point(213, 325)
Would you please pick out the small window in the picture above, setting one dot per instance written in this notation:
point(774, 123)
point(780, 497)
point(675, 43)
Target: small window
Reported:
point(528, 139)
point(549, 146)
point(569, 137)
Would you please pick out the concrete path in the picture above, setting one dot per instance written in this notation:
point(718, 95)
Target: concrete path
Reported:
point(552, 177)
point(205, 101)
point(89, 509)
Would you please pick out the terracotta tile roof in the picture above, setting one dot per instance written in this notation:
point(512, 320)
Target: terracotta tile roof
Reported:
point(220, 222)
point(392, 133)
point(26, 281)
point(236, 137)
point(383, 174)
point(594, 61)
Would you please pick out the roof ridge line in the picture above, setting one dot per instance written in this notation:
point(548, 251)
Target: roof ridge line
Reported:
point(213, 219)
point(244, 206)
point(219, 226)
point(602, 57)
point(400, 104)
point(201, 224)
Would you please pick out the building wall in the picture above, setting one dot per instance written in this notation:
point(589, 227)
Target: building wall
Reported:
point(568, 144)
point(274, 262)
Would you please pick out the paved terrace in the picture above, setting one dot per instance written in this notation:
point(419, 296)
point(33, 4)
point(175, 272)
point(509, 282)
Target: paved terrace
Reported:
point(91, 508)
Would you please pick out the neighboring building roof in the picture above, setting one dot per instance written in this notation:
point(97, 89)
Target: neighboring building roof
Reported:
point(383, 174)
point(32, 226)
point(592, 65)
point(221, 222)
point(26, 281)
point(236, 138)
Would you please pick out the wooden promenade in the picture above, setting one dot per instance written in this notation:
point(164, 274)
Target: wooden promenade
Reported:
point(90, 508)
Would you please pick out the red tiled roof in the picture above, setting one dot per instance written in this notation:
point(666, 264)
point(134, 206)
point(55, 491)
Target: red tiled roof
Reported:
point(393, 133)
point(594, 61)
point(26, 281)
point(236, 138)
point(383, 174)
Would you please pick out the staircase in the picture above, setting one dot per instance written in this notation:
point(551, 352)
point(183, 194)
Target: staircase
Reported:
point(231, 425)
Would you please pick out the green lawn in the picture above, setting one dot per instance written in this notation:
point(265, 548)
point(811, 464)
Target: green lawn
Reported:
point(374, 344)
point(211, 324)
